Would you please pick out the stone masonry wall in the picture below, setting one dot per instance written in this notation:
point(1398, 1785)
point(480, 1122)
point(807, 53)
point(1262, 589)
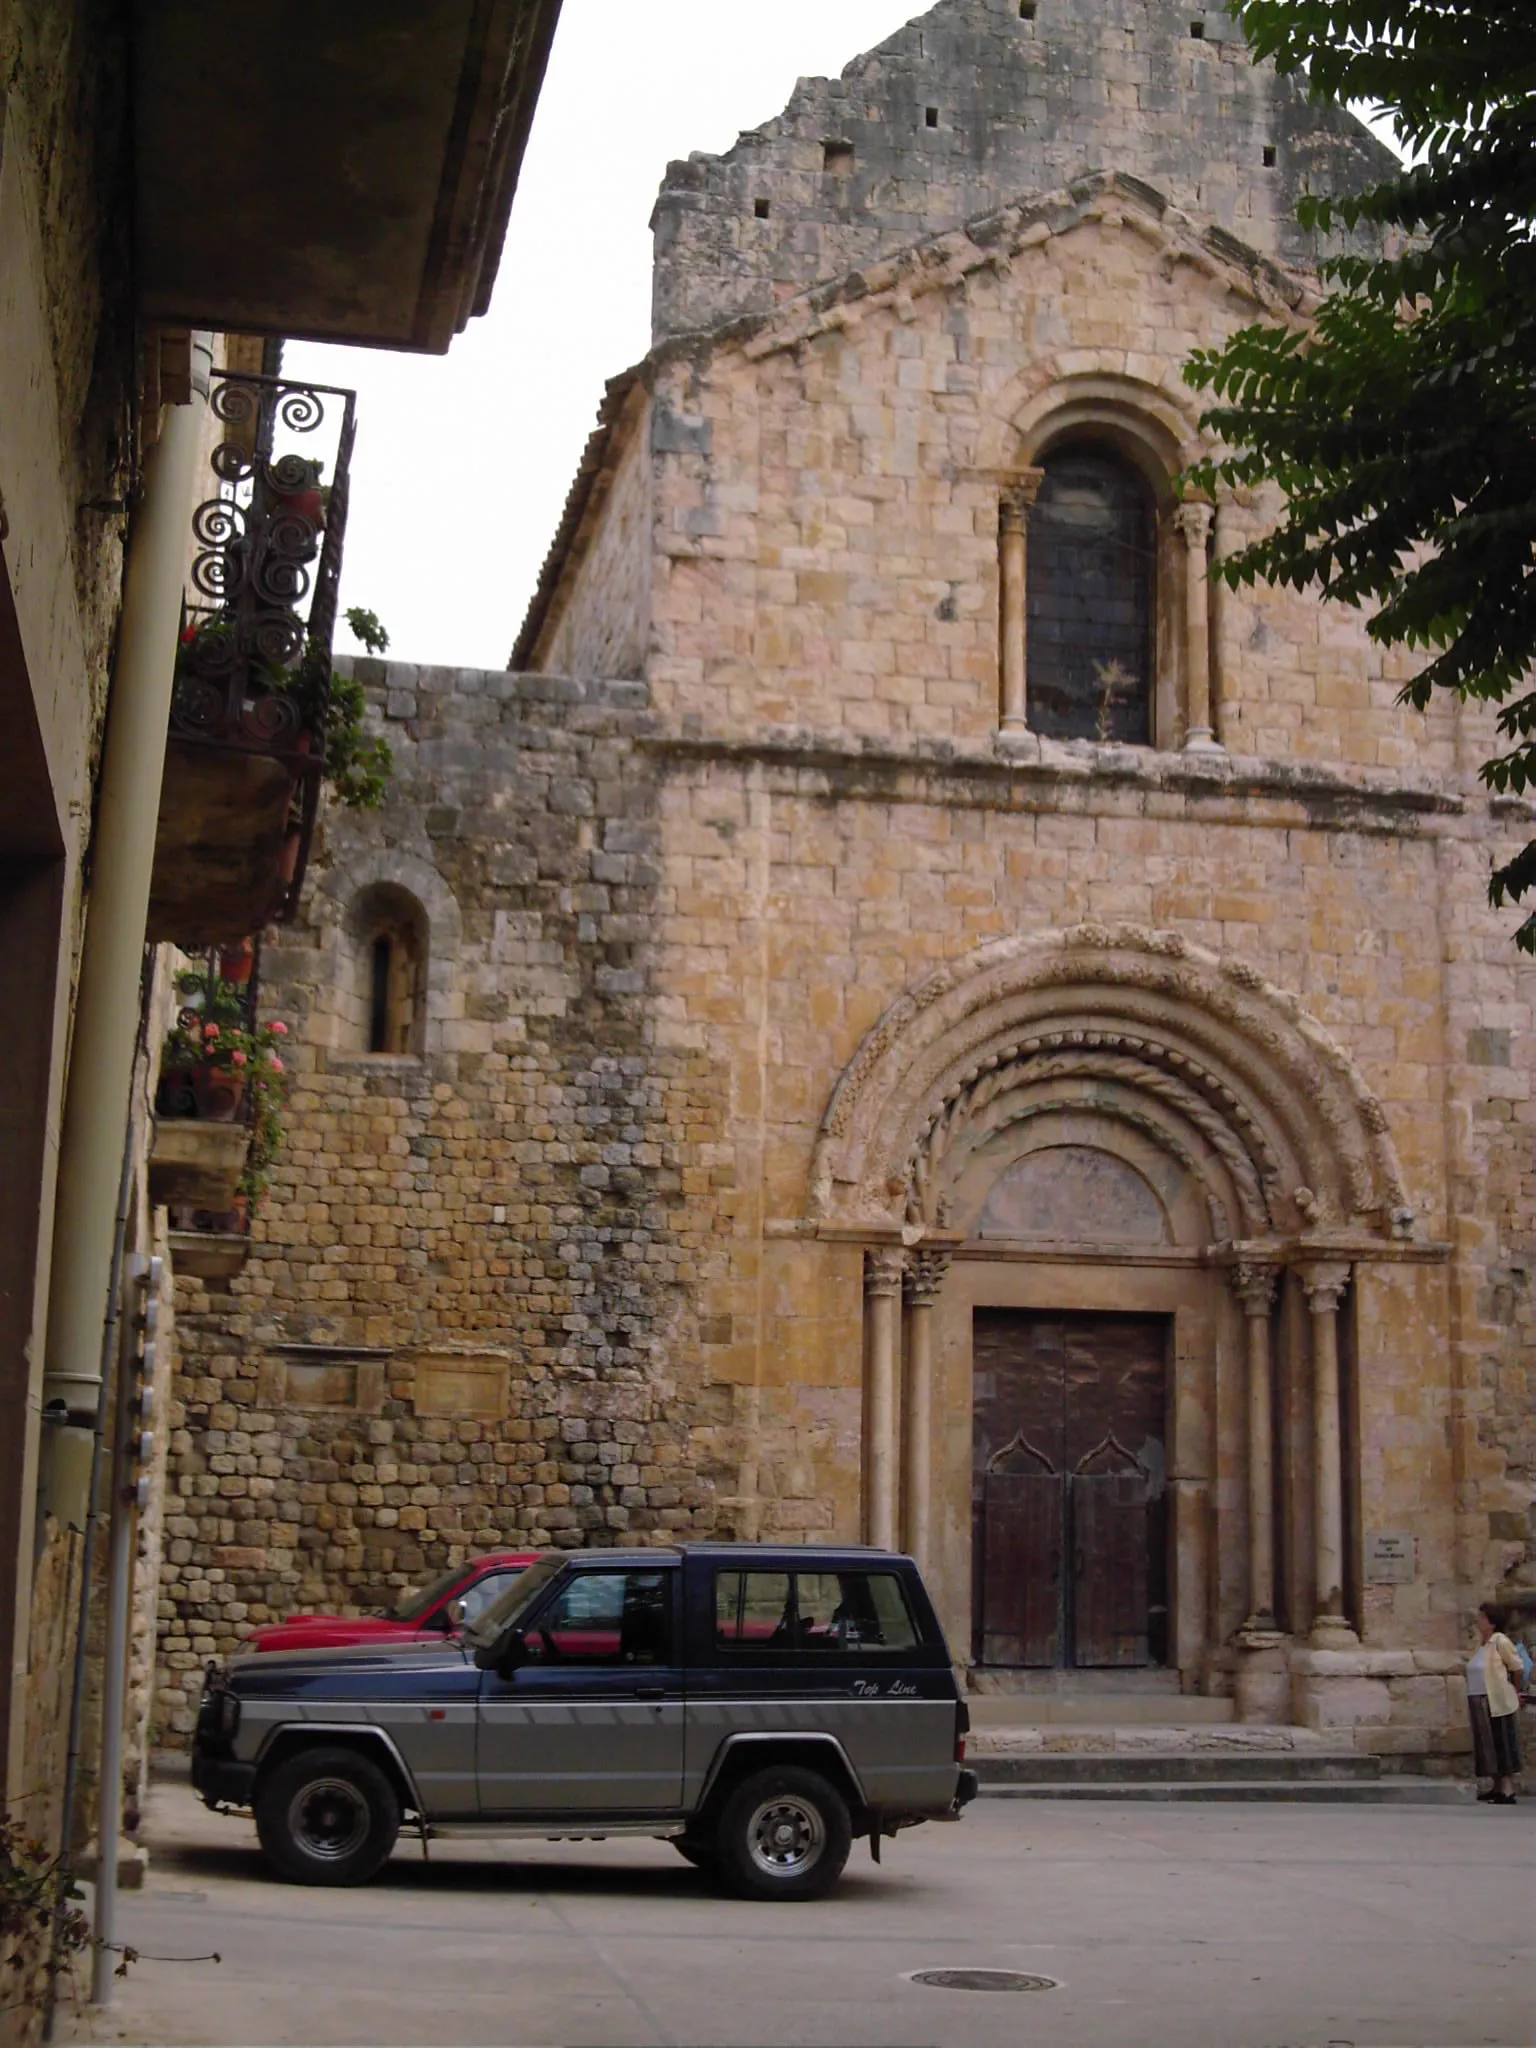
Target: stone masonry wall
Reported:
point(603, 626)
point(827, 537)
point(480, 1260)
point(978, 104)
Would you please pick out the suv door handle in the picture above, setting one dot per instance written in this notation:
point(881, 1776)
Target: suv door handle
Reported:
point(650, 1692)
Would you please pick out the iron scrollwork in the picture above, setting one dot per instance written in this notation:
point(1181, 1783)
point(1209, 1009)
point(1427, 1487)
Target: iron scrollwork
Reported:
point(253, 672)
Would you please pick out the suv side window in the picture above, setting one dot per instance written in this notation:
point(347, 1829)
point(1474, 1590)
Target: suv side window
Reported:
point(840, 1611)
point(605, 1618)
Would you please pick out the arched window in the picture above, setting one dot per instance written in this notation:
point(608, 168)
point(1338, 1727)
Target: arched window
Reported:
point(389, 935)
point(1092, 574)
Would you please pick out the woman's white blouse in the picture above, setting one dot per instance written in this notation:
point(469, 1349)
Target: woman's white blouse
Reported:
point(1477, 1672)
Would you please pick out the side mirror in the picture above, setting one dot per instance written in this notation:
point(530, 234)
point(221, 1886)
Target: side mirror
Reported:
point(502, 1656)
point(456, 1613)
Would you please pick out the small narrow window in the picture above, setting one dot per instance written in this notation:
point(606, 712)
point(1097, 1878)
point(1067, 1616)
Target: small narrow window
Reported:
point(837, 158)
point(1269, 156)
point(385, 989)
point(931, 116)
point(760, 208)
point(1026, 10)
point(378, 994)
point(1197, 31)
point(1092, 559)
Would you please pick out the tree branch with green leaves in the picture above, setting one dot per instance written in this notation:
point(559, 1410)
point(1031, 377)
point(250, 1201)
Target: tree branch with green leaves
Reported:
point(1401, 423)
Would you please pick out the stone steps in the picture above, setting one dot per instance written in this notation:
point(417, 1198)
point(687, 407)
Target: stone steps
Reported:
point(1236, 1761)
point(1095, 1710)
point(1394, 1791)
point(1163, 1738)
point(1184, 1767)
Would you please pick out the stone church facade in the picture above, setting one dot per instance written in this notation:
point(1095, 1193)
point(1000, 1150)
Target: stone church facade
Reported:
point(910, 1012)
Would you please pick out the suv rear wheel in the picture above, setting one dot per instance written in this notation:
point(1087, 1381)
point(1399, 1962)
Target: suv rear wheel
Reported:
point(784, 1834)
point(327, 1816)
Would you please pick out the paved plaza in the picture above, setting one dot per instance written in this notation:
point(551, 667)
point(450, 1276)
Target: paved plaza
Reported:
point(1203, 1926)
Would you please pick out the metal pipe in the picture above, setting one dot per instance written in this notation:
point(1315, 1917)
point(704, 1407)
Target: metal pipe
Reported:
point(114, 1679)
point(109, 1338)
point(123, 852)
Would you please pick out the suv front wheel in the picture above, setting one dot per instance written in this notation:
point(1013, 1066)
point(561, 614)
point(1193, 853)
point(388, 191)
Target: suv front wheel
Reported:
point(784, 1834)
point(327, 1816)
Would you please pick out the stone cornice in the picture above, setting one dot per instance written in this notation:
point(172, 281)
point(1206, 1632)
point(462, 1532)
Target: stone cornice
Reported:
point(1355, 1248)
point(1048, 774)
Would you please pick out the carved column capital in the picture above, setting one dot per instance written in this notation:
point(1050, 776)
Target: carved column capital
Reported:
point(883, 1269)
point(1254, 1285)
point(1020, 488)
point(925, 1276)
point(1193, 519)
point(1325, 1281)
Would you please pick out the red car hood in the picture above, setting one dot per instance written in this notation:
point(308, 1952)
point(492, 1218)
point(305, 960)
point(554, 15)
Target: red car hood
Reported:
point(336, 1632)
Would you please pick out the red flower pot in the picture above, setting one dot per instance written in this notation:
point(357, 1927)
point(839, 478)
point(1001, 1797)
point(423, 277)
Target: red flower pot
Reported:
point(236, 963)
point(308, 504)
point(217, 1091)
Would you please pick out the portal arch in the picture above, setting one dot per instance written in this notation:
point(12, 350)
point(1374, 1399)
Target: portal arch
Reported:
point(1202, 1041)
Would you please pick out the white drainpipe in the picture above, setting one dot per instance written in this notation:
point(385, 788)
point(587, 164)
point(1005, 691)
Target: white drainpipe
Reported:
point(96, 1103)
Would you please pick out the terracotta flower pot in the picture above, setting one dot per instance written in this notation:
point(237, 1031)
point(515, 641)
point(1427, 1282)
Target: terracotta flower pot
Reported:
point(236, 963)
point(218, 1092)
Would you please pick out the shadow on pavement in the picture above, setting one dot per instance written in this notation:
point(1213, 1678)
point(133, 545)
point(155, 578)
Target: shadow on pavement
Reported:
point(406, 1873)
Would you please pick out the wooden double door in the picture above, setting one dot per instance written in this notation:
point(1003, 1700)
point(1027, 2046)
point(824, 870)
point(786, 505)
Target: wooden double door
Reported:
point(1069, 1522)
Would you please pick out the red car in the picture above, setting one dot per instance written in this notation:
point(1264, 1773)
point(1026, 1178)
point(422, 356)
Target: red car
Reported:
point(421, 1614)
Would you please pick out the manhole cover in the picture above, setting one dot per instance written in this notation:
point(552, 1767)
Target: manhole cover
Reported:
point(984, 1980)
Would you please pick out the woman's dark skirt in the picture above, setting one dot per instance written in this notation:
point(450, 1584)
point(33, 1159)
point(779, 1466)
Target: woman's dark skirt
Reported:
point(1495, 1740)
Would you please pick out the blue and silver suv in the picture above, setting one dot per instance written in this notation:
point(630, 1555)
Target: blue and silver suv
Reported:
point(758, 1707)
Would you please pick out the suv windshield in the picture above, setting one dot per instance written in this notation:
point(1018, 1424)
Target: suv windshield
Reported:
point(501, 1613)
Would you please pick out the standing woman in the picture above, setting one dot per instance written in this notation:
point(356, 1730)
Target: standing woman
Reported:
point(1493, 1702)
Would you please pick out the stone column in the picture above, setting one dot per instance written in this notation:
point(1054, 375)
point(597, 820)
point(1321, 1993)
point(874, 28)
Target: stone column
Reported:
point(1192, 521)
point(1325, 1284)
point(925, 1276)
point(1019, 493)
point(882, 1290)
point(1255, 1289)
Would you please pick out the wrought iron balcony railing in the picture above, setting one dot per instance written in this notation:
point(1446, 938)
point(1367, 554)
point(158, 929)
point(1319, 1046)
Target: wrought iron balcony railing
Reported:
point(253, 675)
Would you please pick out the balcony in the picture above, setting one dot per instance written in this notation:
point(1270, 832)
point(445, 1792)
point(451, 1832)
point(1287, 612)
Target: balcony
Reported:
point(340, 173)
point(245, 753)
point(214, 1111)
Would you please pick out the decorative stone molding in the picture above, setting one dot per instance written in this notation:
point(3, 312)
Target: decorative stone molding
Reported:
point(1285, 1098)
point(1254, 1285)
point(1019, 493)
point(926, 1270)
point(1325, 1282)
point(1156, 1099)
point(883, 1273)
point(1193, 521)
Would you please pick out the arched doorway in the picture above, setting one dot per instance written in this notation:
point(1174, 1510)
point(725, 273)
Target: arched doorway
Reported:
point(1137, 1180)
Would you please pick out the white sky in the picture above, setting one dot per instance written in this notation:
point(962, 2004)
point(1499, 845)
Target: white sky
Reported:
point(463, 461)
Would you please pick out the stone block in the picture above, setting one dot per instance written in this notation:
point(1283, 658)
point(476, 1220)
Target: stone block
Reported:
point(1340, 1702)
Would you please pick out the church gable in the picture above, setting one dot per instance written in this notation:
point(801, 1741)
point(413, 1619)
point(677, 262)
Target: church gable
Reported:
point(830, 529)
point(978, 101)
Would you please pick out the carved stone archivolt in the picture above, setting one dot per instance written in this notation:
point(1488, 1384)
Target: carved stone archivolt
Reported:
point(1214, 1064)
